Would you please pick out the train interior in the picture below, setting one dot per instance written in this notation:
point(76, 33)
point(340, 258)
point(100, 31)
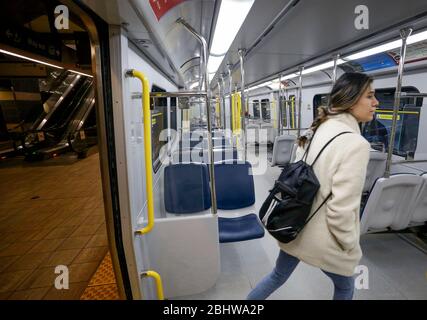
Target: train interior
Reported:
point(139, 140)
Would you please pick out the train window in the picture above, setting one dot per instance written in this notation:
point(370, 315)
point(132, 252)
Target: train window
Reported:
point(265, 109)
point(159, 122)
point(292, 111)
point(377, 131)
point(255, 104)
point(319, 100)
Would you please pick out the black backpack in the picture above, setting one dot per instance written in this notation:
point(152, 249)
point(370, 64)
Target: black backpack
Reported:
point(285, 211)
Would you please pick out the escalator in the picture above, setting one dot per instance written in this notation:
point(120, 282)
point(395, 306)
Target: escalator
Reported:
point(61, 97)
point(22, 118)
point(64, 128)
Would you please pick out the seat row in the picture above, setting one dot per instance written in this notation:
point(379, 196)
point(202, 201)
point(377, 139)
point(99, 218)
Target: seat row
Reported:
point(285, 148)
point(395, 203)
point(187, 191)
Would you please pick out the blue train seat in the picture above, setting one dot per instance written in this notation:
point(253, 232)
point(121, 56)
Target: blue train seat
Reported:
point(234, 185)
point(187, 191)
point(186, 188)
point(240, 228)
point(235, 190)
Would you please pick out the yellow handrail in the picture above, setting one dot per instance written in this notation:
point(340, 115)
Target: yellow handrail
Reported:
point(159, 284)
point(148, 152)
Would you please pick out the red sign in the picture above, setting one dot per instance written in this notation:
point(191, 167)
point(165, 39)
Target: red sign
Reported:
point(160, 7)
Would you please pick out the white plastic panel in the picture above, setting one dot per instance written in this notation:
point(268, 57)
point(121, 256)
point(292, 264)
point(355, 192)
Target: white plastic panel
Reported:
point(185, 268)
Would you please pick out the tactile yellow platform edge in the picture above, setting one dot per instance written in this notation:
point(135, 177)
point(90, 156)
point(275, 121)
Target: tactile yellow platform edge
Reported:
point(102, 286)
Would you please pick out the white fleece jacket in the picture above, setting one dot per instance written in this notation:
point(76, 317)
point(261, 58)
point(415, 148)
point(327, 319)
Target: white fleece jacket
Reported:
point(330, 240)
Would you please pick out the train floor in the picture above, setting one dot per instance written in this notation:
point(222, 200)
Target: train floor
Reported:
point(51, 214)
point(391, 268)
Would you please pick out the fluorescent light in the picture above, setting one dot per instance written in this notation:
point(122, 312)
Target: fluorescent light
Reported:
point(194, 85)
point(417, 37)
point(214, 63)
point(30, 59)
point(81, 73)
point(290, 76)
point(322, 66)
point(274, 84)
point(231, 16)
point(388, 46)
point(370, 52)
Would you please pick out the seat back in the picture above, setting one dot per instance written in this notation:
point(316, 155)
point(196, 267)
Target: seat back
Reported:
point(266, 133)
point(376, 168)
point(234, 185)
point(390, 203)
point(282, 149)
point(186, 188)
point(420, 207)
point(202, 156)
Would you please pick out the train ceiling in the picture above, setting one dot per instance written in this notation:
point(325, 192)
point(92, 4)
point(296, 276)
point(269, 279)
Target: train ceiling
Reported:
point(304, 32)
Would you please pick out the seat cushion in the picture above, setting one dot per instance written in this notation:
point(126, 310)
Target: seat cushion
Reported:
point(240, 229)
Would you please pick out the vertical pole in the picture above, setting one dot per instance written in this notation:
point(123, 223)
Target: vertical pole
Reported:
point(280, 106)
point(220, 102)
point(404, 34)
point(243, 101)
point(288, 118)
point(208, 108)
point(168, 112)
point(223, 99)
point(300, 99)
point(230, 87)
point(334, 74)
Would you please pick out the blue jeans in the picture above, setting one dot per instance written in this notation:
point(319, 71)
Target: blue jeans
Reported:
point(285, 265)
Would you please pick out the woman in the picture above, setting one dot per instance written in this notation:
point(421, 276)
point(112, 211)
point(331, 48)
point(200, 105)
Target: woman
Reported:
point(330, 241)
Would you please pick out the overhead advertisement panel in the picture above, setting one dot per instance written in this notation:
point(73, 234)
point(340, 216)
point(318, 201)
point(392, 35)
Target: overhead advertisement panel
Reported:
point(161, 7)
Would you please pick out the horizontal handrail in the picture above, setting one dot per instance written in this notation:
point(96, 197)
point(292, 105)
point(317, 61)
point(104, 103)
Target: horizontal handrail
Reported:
point(412, 95)
point(409, 161)
point(178, 94)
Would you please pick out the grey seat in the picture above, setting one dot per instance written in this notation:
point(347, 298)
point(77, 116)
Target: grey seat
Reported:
point(419, 215)
point(282, 150)
point(266, 133)
point(376, 168)
point(252, 133)
point(390, 203)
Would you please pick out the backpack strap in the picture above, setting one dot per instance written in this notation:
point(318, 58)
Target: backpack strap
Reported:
point(330, 194)
point(305, 155)
point(324, 201)
point(324, 147)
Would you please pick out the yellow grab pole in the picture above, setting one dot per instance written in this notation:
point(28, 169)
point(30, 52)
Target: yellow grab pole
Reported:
point(239, 112)
point(147, 148)
point(232, 112)
point(159, 284)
